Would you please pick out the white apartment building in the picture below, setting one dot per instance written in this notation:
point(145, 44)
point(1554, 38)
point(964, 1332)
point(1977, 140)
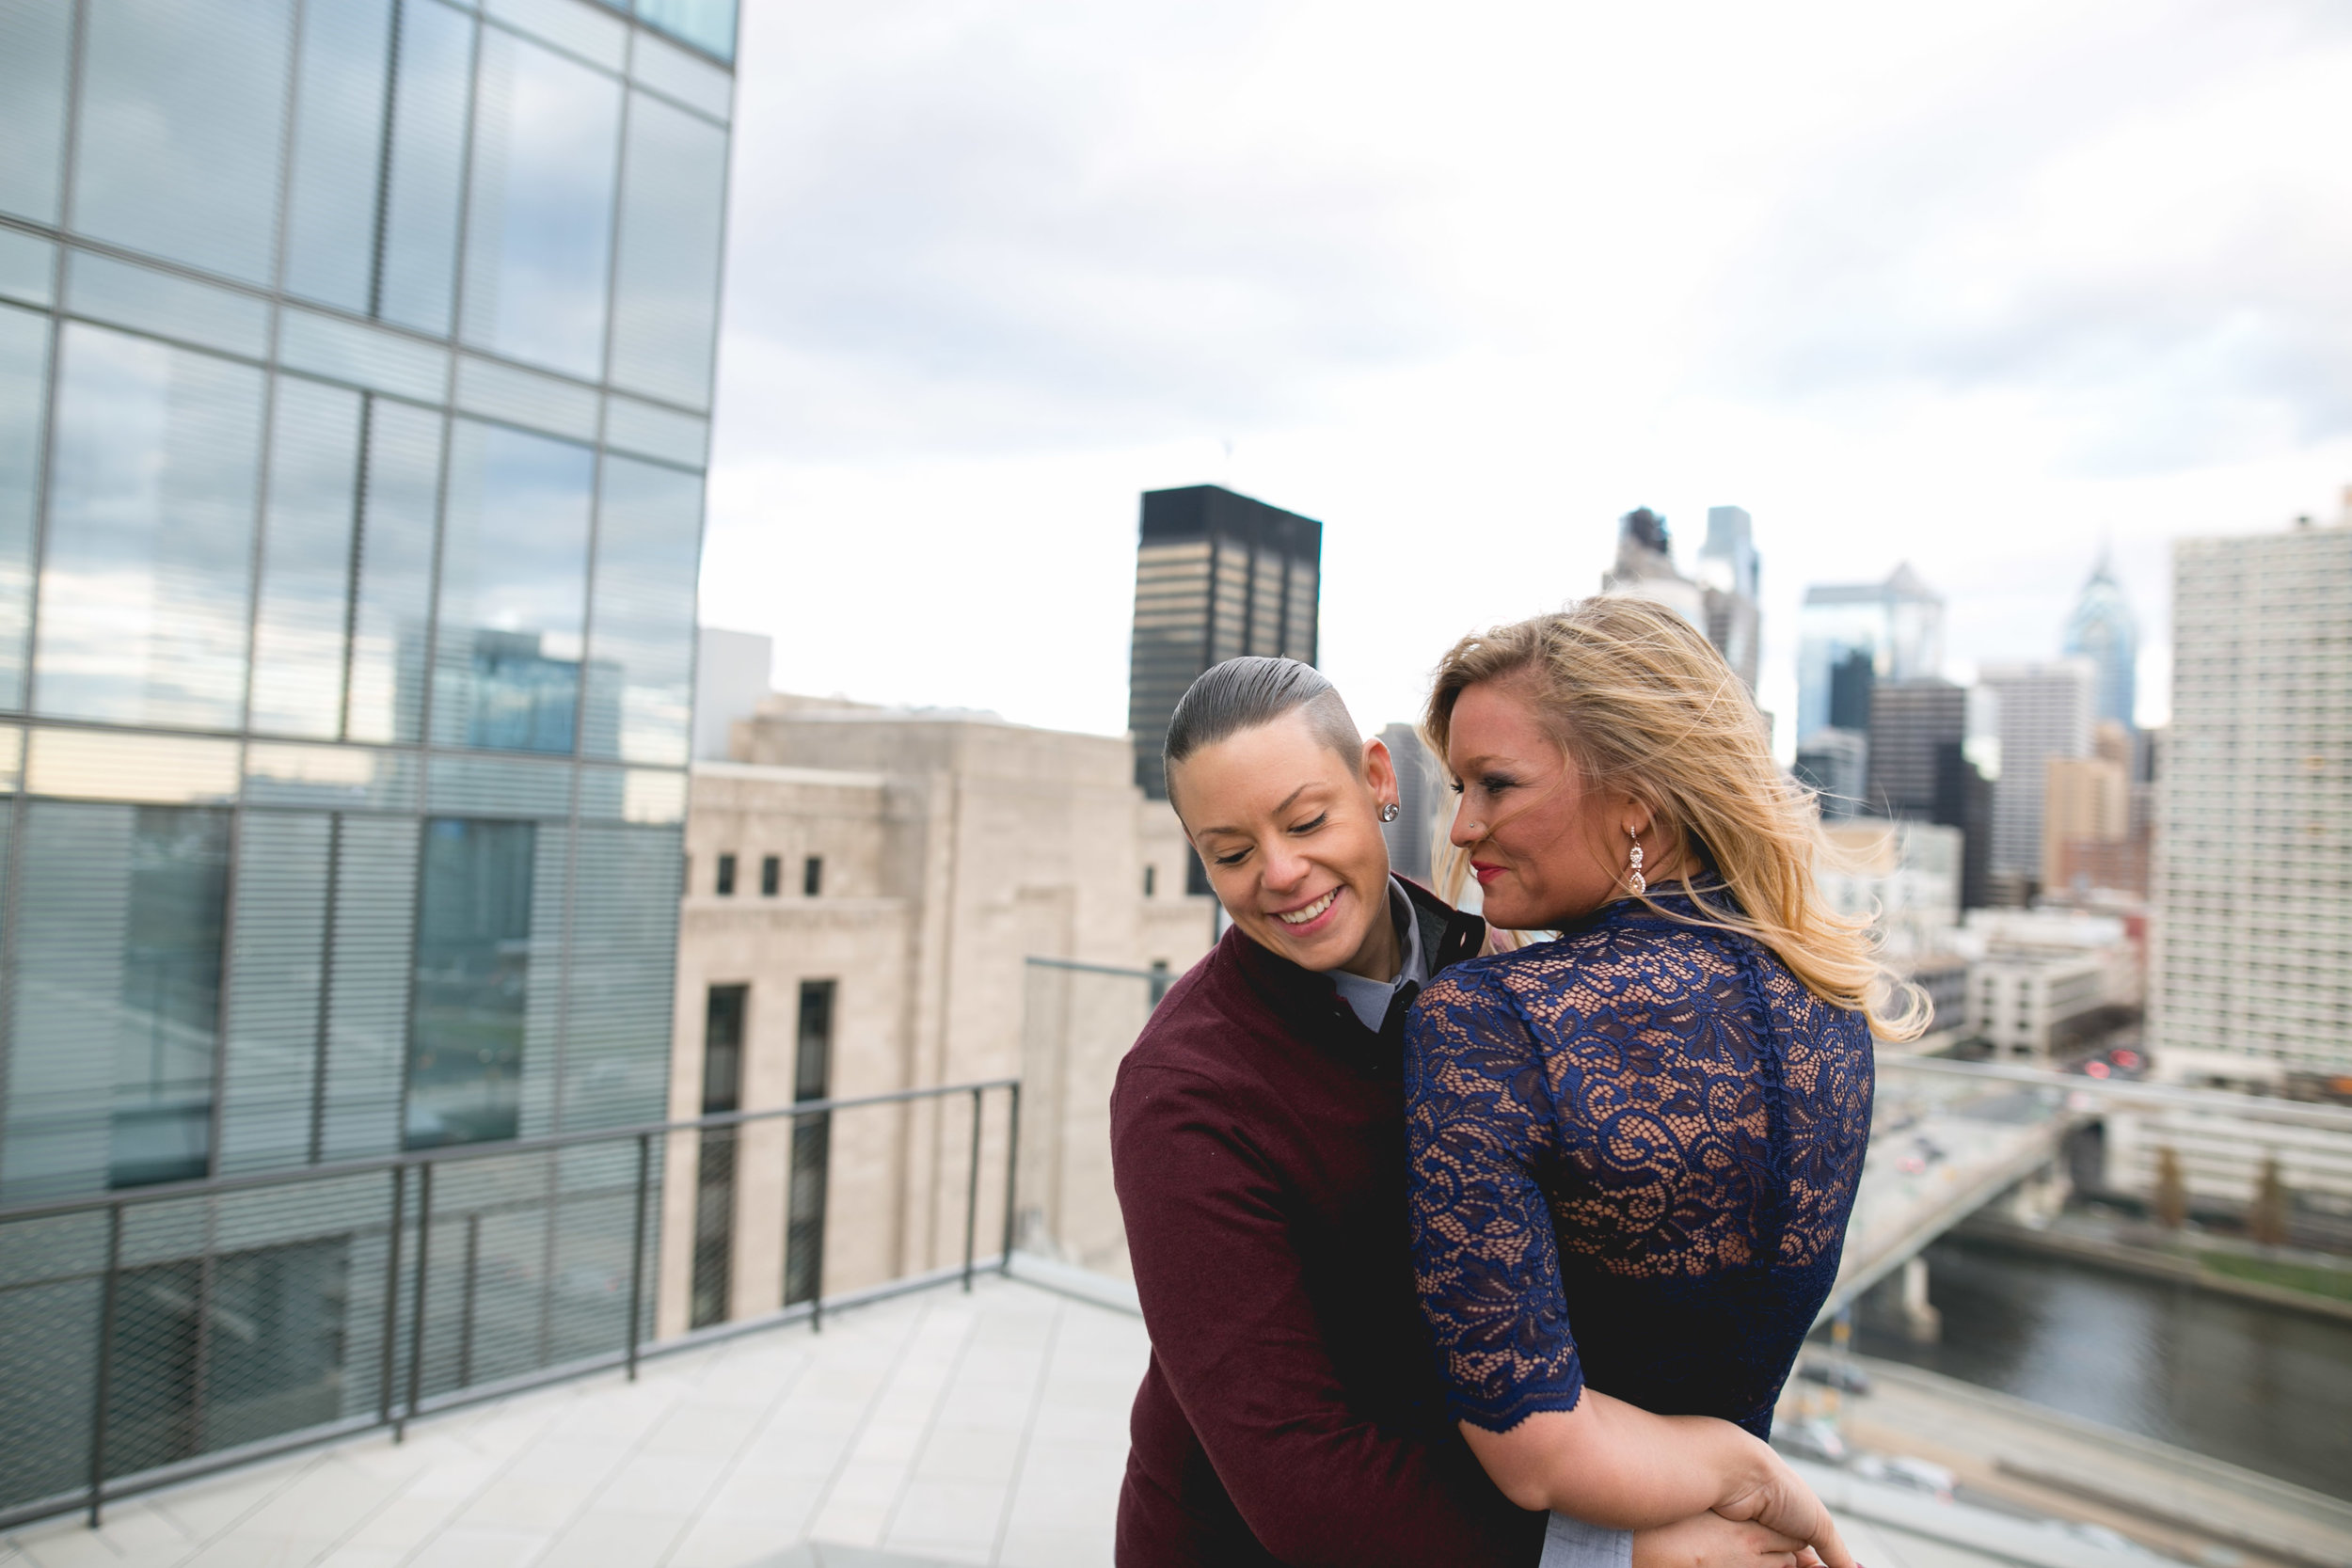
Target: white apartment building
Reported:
point(2045, 711)
point(2251, 894)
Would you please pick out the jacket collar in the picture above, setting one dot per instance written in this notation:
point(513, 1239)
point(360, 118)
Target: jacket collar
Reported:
point(1310, 1005)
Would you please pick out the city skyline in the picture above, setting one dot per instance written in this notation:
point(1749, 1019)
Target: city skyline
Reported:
point(1470, 331)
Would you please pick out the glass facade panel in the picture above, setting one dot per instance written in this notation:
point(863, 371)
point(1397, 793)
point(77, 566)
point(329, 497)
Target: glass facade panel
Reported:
point(514, 585)
point(651, 432)
point(369, 980)
point(270, 1067)
point(145, 580)
point(28, 268)
point(363, 356)
point(416, 278)
point(298, 630)
point(707, 24)
point(665, 291)
point(691, 80)
point(392, 595)
point(100, 765)
point(169, 306)
point(473, 981)
point(183, 106)
point(498, 786)
point(588, 31)
point(546, 152)
point(620, 980)
point(120, 971)
point(24, 372)
point(329, 777)
point(338, 150)
point(36, 39)
point(640, 677)
point(526, 398)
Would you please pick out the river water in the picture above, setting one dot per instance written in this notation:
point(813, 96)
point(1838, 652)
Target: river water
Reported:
point(2263, 1386)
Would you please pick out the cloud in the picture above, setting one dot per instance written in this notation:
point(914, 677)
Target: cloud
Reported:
point(977, 229)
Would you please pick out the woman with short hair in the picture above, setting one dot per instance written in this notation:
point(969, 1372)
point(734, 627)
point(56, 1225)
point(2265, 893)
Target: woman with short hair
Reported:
point(1292, 1412)
point(1634, 1146)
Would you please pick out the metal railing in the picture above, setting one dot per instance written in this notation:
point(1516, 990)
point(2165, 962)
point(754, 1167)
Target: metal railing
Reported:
point(154, 1333)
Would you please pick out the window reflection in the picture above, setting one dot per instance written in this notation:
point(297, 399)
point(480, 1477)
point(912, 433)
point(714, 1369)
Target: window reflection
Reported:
point(402, 465)
point(183, 111)
point(34, 40)
point(372, 227)
point(23, 361)
point(665, 292)
point(539, 229)
point(144, 581)
point(640, 675)
point(118, 977)
point(473, 987)
point(514, 581)
point(707, 24)
point(306, 561)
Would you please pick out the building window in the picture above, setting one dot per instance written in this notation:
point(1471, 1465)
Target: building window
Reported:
point(723, 1011)
point(770, 876)
point(812, 876)
point(1151, 881)
point(473, 982)
point(725, 887)
point(1196, 875)
point(812, 1142)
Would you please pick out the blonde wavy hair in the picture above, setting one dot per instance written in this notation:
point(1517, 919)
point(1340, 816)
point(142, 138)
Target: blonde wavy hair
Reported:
point(1640, 702)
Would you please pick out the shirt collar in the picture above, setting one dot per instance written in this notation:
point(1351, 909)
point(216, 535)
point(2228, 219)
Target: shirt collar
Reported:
point(1368, 999)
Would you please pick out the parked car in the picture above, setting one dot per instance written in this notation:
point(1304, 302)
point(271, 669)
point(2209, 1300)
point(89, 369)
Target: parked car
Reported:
point(1912, 1475)
point(1816, 1440)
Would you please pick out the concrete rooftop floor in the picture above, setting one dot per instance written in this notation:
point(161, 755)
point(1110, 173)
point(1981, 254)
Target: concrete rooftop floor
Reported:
point(932, 1427)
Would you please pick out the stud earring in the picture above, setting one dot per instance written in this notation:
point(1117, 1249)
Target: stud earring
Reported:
point(1391, 811)
point(1634, 878)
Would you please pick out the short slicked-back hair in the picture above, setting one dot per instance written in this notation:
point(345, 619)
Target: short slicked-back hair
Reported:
point(1243, 693)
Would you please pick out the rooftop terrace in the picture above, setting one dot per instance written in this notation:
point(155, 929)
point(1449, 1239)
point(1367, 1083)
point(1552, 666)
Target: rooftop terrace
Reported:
point(935, 1427)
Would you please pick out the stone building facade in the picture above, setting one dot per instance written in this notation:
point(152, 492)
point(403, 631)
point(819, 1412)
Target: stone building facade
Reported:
point(864, 890)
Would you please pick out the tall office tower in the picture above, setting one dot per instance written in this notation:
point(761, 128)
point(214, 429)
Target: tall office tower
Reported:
point(355, 375)
point(1421, 797)
point(1910, 724)
point(1866, 632)
point(1731, 573)
point(1963, 800)
point(1217, 576)
point(2045, 712)
point(1644, 568)
point(1836, 763)
point(2104, 630)
point(2252, 949)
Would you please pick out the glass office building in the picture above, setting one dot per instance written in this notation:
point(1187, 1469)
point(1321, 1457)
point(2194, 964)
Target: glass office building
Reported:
point(1217, 576)
point(356, 363)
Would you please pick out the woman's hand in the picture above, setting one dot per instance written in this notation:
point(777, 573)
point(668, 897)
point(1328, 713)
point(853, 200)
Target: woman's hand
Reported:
point(1781, 1503)
point(1712, 1541)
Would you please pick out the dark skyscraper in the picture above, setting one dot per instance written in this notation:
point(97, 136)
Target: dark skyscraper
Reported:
point(1217, 576)
point(1910, 722)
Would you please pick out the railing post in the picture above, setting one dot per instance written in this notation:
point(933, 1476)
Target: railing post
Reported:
point(972, 1194)
point(464, 1322)
point(416, 1322)
point(637, 1249)
point(105, 1363)
point(1012, 1169)
point(392, 1301)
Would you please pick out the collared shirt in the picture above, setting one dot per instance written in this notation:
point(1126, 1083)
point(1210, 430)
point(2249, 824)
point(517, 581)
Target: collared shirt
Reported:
point(1370, 999)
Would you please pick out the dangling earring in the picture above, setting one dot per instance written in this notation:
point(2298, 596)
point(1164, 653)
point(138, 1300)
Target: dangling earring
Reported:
point(1391, 811)
point(1634, 878)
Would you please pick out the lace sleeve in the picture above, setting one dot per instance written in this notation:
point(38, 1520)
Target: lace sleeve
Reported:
point(1478, 1125)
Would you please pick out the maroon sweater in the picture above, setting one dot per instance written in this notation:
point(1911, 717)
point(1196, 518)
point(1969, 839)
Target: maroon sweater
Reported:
point(1291, 1413)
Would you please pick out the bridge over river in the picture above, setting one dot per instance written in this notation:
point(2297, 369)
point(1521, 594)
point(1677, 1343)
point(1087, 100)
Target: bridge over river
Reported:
point(1952, 1137)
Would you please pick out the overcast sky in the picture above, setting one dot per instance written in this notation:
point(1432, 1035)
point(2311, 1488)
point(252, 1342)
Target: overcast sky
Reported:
point(1981, 287)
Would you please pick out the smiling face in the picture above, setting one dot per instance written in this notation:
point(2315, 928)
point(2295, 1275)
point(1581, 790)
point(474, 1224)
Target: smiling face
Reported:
point(1291, 836)
point(1545, 849)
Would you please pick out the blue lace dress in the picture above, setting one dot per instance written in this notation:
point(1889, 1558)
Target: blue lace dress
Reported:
point(1633, 1150)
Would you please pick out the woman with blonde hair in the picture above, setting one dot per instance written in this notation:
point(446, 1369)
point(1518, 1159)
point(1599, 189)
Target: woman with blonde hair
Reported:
point(1633, 1147)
